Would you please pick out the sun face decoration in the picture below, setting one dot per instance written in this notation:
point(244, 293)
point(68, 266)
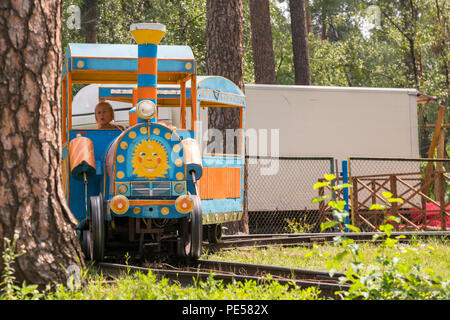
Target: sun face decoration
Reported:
point(150, 160)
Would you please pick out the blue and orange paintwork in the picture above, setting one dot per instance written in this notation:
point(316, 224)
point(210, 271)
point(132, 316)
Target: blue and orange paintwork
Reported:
point(221, 186)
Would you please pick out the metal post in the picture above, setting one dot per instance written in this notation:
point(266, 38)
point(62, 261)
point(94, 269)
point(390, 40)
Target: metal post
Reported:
point(344, 175)
point(333, 183)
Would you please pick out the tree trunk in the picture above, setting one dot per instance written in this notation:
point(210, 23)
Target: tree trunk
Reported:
point(409, 16)
point(224, 53)
point(309, 24)
point(224, 57)
point(300, 42)
point(262, 47)
point(89, 20)
point(32, 201)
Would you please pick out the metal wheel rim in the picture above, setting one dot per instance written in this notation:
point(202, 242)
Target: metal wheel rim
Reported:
point(96, 229)
point(192, 232)
point(196, 229)
point(86, 243)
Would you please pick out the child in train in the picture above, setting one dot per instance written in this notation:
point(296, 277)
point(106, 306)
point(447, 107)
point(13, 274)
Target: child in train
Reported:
point(104, 115)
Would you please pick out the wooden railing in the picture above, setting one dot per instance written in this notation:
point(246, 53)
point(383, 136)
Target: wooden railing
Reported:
point(423, 206)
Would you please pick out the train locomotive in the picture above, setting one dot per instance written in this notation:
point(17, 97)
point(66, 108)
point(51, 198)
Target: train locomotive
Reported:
point(149, 185)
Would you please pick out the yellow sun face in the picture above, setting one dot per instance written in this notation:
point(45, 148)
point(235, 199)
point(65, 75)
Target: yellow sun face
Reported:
point(150, 160)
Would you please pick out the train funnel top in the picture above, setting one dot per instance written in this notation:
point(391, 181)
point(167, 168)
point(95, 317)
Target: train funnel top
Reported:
point(147, 36)
point(145, 33)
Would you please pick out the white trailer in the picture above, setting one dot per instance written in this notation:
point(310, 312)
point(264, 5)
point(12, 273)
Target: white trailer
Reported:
point(336, 121)
point(311, 121)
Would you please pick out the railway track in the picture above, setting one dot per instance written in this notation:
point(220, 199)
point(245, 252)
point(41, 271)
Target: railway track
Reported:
point(228, 272)
point(308, 239)
point(263, 270)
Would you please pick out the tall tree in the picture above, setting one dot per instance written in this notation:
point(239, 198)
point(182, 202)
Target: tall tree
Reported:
point(89, 20)
point(300, 42)
point(262, 47)
point(224, 39)
point(224, 57)
point(32, 201)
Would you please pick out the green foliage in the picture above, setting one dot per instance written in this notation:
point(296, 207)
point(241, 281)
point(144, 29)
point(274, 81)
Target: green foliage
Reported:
point(299, 225)
point(140, 286)
point(338, 206)
point(185, 21)
point(9, 290)
point(391, 277)
point(342, 56)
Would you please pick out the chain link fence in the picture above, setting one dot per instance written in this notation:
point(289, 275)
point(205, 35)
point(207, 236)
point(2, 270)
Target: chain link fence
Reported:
point(280, 191)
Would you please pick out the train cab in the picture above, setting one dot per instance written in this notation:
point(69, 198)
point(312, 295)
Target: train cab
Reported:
point(152, 184)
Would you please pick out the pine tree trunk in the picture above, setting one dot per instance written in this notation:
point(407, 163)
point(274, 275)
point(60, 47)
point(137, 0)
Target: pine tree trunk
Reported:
point(262, 46)
point(224, 57)
point(89, 20)
point(31, 195)
point(309, 24)
point(224, 53)
point(300, 42)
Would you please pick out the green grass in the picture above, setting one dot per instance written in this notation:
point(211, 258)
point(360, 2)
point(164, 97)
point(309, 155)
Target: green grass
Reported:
point(146, 287)
point(423, 258)
point(433, 253)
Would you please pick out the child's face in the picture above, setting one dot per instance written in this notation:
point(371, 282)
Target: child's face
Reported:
point(103, 115)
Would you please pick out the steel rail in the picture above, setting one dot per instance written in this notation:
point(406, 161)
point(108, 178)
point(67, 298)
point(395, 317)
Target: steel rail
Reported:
point(189, 278)
point(307, 239)
point(263, 270)
point(333, 234)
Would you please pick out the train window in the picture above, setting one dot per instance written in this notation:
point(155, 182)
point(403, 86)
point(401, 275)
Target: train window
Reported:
point(221, 136)
point(173, 116)
point(165, 116)
point(83, 116)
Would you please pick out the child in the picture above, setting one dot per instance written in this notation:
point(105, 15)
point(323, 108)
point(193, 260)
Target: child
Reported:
point(104, 114)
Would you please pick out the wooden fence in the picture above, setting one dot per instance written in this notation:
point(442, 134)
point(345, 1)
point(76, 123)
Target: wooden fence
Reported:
point(424, 206)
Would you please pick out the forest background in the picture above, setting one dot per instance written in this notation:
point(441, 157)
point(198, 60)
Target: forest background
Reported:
point(378, 43)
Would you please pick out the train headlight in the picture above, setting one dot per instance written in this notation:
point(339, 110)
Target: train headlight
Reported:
point(122, 188)
point(145, 109)
point(119, 204)
point(184, 204)
point(179, 188)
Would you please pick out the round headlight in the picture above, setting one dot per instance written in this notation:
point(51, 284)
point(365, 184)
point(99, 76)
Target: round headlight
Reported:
point(179, 188)
point(119, 204)
point(184, 204)
point(145, 109)
point(122, 188)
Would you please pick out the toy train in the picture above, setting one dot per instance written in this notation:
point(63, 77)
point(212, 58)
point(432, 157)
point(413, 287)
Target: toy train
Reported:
point(150, 184)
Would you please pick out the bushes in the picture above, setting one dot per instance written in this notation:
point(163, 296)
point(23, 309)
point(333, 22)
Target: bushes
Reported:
point(141, 286)
point(391, 276)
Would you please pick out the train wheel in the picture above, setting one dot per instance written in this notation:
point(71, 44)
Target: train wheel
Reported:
point(214, 233)
point(96, 229)
point(192, 233)
point(85, 243)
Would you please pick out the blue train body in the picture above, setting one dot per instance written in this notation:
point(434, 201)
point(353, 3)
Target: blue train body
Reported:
point(150, 182)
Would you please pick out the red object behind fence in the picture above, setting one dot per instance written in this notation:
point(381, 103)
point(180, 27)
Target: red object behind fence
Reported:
point(435, 213)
